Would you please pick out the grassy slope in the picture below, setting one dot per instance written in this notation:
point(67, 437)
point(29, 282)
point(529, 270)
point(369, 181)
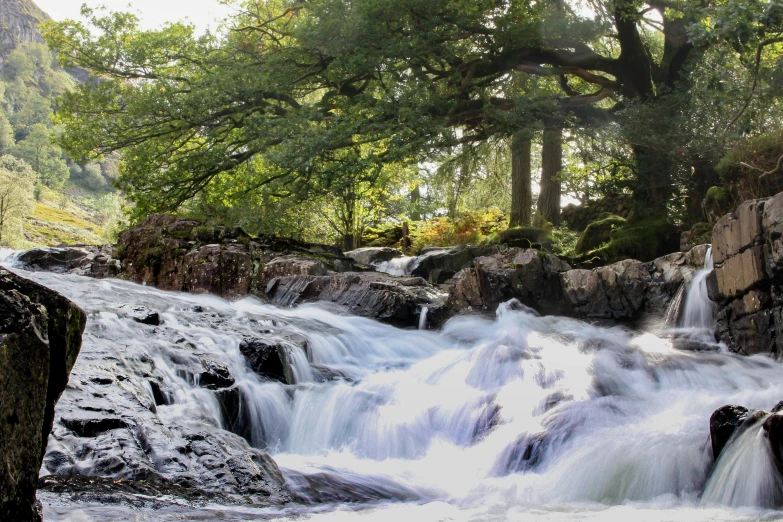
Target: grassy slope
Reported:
point(54, 223)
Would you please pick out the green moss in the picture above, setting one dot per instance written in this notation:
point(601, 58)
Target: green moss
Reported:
point(644, 240)
point(716, 195)
point(523, 237)
point(598, 233)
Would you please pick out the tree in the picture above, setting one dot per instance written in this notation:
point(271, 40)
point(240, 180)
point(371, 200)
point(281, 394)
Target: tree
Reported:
point(521, 191)
point(17, 182)
point(44, 156)
point(6, 134)
point(551, 166)
point(297, 83)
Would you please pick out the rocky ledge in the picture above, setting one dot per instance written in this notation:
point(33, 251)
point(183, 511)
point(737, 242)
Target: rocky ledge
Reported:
point(180, 254)
point(40, 337)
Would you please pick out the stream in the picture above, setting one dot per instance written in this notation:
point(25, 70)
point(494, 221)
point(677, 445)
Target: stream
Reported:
point(490, 419)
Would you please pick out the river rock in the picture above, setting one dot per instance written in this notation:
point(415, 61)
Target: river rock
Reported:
point(452, 259)
point(115, 419)
point(370, 256)
point(723, 424)
point(181, 254)
point(513, 273)
point(40, 338)
point(397, 300)
point(82, 260)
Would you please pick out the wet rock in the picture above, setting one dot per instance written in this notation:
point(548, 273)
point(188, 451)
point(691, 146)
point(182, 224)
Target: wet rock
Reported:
point(451, 259)
point(267, 356)
point(513, 273)
point(93, 427)
point(174, 253)
point(150, 493)
point(82, 260)
point(370, 294)
point(140, 314)
point(40, 337)
point(215, 376)
point(373, 255)
point(723, 425)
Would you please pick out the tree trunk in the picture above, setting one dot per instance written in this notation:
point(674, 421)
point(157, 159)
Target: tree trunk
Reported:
point(552, 164)
point(521, 193)
point(704, 176)
point(653, 186)
point(415, 196)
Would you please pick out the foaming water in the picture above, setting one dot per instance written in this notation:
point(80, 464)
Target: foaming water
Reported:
point(398, 266)
point(489, 419)
point(745, 474)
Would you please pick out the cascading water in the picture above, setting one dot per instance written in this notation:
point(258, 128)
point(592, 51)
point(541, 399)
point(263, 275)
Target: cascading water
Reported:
point(692, 310)
point(506, 419)
point(700, 311)
point(398, 266)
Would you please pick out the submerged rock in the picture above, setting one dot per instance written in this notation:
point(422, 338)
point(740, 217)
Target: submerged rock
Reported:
point(40, 338)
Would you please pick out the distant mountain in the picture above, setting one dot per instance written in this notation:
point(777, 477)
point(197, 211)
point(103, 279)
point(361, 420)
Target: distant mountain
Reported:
point(19, 20)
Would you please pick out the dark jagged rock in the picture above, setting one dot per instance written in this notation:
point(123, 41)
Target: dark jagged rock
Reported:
point(452, 259)
point(174, 253)
point(82, 260)
point(40, 338)
point(723, 425)
point(625, 291)
point(141, 314)
point(371, 256)
point(396, 300)
point(513, 273)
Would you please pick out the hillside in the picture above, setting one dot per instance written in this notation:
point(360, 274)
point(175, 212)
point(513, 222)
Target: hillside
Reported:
point(19, 21)
point(71, 201)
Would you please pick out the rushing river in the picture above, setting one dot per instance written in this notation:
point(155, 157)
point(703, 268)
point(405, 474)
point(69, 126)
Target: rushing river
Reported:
point(511, 418)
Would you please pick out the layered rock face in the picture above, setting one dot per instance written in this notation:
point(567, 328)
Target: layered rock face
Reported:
point(747, 282)
point(40, 338)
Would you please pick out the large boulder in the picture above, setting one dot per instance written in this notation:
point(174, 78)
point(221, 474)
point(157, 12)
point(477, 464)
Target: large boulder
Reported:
point(748, 281)
point(514, 273)
point(397, 300)
point(448, 260)
point(622, 292)
point(727, 422)
point(175, 253)
point(371, 256)
point(83, 260)
point(40, 338)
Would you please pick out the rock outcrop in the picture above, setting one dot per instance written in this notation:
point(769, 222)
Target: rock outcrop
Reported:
point(626, 291)
point(40, 338)
point(729, 421)
point(748, 280)
point(396, 300)
point(84, 260)
point(440, 264)
point(514, 273)
point(372, 256)
point(174, 253)
point(19, 21)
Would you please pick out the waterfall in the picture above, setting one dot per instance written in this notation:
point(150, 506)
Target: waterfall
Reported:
point(488, 419)
point(699, 311)
point(423, 318)
point(745, 474)
point(398, 266)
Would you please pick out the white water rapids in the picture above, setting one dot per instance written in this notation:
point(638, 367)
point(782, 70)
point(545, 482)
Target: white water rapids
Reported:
point(510, 418)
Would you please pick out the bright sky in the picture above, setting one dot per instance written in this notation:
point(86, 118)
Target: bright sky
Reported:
point(201, 13)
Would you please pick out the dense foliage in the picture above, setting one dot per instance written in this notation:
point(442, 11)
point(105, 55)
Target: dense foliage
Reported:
point(324, 117)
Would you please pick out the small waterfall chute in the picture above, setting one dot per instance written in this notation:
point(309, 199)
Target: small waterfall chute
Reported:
point(745, 473)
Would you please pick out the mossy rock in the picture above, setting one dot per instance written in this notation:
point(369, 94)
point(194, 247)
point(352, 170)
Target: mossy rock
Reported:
point(598, 233)
point(643, 240)
point(522, 237)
